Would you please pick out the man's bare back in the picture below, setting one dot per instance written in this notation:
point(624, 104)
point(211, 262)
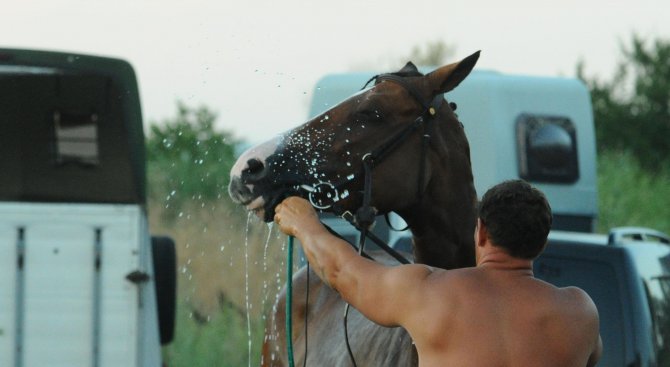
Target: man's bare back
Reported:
point(502, 317)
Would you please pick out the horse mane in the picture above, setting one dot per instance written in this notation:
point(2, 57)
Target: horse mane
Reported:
point(409, 70)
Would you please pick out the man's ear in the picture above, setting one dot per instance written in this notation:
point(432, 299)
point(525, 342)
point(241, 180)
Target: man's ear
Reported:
point(448, 77)
point(482, 233)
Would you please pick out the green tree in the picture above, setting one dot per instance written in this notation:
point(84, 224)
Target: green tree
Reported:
point(632, 111)
point(188, 159)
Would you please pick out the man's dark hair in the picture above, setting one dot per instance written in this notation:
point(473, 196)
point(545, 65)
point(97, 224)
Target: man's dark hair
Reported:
point(517, 217)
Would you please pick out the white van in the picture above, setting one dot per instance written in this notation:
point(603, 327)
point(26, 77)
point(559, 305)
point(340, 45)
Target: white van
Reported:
point(82, 283)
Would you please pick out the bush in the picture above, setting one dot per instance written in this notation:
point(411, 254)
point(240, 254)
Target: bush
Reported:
point(629, 195)
point(632, 110)
point(187, 159)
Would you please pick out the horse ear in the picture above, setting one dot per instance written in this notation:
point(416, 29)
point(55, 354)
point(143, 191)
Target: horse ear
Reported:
point(450, 76)
point(409, 68)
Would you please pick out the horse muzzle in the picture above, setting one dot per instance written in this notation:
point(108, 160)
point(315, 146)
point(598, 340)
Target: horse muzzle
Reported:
point(261, 197)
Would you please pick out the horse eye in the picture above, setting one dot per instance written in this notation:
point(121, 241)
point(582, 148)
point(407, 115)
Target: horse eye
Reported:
point(369, 115)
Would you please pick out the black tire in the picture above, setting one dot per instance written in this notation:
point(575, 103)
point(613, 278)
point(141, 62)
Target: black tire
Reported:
point(165, 279)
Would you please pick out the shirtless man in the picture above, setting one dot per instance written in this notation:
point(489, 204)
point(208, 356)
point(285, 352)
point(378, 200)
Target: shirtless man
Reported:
point(495, 314)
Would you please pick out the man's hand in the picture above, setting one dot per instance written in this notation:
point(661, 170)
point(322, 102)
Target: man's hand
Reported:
point(295, 216)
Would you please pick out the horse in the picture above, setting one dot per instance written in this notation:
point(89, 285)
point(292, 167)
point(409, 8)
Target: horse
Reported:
point(395, 146)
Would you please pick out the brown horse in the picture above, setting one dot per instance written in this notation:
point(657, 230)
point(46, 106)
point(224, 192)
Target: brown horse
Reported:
point(424, 176)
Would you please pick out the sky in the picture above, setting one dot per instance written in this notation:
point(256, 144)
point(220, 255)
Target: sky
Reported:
point(255, 62)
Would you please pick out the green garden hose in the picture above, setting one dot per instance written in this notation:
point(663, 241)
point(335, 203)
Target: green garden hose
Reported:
point(289, 301)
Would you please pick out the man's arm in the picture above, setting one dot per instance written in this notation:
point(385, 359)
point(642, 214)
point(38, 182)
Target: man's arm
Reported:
point(590, 322)
point(381, 293)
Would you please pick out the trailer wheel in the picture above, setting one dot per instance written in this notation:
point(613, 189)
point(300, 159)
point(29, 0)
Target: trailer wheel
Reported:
point(165, 276)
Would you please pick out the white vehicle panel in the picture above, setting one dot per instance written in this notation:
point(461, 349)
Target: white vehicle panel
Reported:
point(72, 313)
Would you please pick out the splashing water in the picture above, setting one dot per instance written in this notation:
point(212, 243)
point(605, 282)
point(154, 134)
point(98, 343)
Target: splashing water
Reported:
point(265, 268)
point(246, 285)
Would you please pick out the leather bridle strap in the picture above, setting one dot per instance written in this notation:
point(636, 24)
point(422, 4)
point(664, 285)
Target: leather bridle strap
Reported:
point(425, 121)
point(408, 87)
point(349, 217)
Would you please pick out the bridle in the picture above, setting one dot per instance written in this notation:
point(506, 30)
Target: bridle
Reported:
point(364, 217)
point(326, 195)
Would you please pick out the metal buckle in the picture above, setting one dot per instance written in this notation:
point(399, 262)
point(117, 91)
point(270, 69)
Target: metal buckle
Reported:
point(325, 189)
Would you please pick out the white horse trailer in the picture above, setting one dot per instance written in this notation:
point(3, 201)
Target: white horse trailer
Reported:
point(82, 283)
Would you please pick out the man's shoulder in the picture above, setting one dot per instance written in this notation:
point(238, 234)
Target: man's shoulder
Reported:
point(574, 301)
point(579, 296)
point(572, 294)
point(569, 293)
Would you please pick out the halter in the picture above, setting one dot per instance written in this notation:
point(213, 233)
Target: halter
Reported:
point(365, 215)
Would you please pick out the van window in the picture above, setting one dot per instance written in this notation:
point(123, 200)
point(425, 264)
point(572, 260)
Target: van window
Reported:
point(76, 138)
point(590, 276)
point(547, 148)
point(658, 289)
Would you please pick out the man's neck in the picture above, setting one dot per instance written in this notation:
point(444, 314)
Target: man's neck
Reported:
point(497, 259)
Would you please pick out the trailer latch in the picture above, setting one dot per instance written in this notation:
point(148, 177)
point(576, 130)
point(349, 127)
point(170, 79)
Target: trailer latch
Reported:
point(138, 277)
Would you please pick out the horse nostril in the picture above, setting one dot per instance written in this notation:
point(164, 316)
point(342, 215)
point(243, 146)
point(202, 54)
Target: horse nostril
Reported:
point(237, 190)
point(254, 167)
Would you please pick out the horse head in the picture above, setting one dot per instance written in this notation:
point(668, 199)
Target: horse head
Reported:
point(401, 130)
